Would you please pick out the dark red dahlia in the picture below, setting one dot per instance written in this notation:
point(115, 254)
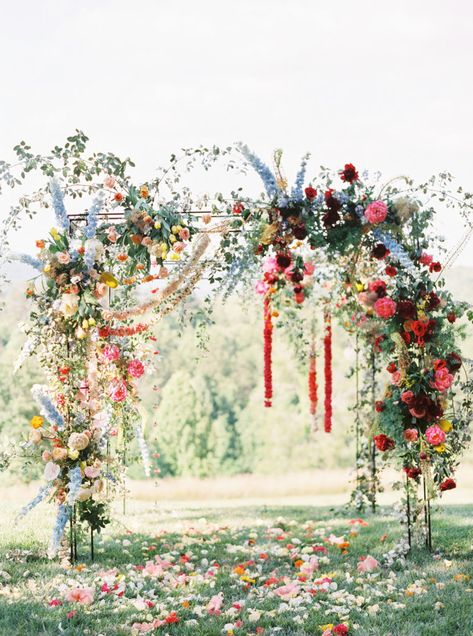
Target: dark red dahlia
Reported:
point(300, 232)
point(454, 362)
point(283, 260)
point(330, 218)
point(406, 309)
point(412, 472)
point(379, 251)
point(349, 173)
point(390, 270)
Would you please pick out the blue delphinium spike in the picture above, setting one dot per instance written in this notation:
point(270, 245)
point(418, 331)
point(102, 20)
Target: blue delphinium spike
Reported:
point(297, 193)
point(63, 514)
point(58, 205)
point(92, 217)
point(47, 408)
point(268, 178)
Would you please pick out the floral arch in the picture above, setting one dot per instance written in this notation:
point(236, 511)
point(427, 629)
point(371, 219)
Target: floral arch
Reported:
point(337, 246)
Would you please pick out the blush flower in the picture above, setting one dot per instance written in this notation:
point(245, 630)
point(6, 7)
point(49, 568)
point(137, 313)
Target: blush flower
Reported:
point(376, 212)
point(117, 390)
point(368, 564)
point(411, 435)
point(82, 595)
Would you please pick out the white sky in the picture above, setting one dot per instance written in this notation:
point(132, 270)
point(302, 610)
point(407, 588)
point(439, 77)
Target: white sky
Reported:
point(385, 85)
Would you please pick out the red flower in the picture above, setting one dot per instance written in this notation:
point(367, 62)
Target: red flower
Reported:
point(379, 406)
point(283, 260)
point(412, 472)
point(378, 287)
point(310, 193)
point(448, 484)
point(340, 630)
point(172, 618)
point(349, 173)
point(451, 317)
point(118, 197)
point(390, 270)
point(238, 208)
point(391, 367)
point(435, 267)
point(383, 442)
point(330, 201)
point(330, 218)
point(406, 309)
point(454, 362)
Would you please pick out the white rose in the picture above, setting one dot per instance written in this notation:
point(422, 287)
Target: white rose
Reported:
point(51, 471)
point(69, 304)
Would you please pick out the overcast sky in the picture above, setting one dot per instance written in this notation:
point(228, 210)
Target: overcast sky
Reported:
point(383, 85)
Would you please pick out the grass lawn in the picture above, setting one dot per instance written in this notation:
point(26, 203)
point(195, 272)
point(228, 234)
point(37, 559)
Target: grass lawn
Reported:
point(280, 570)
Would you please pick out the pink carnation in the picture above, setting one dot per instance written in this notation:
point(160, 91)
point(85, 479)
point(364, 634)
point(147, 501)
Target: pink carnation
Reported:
point(376, 212)
point(434, 435)
point(443, 380)
point(385, 307)
point(136, 368)
point(82, 595)
point(117, 390)
point(111, 353)
point(368, 564)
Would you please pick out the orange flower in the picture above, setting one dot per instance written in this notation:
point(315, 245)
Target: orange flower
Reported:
point(144, 191)
point(239, 569)
point(122, 257)
point(37, 421)
point(140, 266)
point(40, 244)
point(185, 604)
point(136, 239)
point(118, 196)
point(298, 563)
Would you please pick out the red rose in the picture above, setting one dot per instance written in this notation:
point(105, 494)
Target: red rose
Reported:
point(118, 196)
point(330, 218)
point(378, 287)
point(300, 232)
point(238, 208)
point(406, 309)
point(390, 270)
point(349, 173)
point(383, 442)
point(379, 406)
point(340, 630)
point(435, 267)
point(448, 484)
point(310, 193)
point(451, 317)
point(412, 472)
point(391, 367)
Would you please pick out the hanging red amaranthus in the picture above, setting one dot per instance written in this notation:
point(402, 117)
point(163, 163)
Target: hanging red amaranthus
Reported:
point(328, 372)
point(268, 351)
point(313, 382)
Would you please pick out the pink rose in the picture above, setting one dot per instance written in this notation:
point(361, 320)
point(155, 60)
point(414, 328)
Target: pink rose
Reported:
point(46, 456)
point(368, 564)
point(100, 290)
point(270, 265)
point(434, 435)
point(64, 258)
point(184, 234)
point(117, 390)
point(111, 353)
point(136, 368)
point(82, 595)
point(376, 212)
point(443, 380)
point(411, 435)
point(396, 378)
point(109, 181)
point(385, 307)
point(309, 268)
point(92, 471)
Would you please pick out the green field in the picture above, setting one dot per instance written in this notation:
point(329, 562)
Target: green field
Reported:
point(429, 595)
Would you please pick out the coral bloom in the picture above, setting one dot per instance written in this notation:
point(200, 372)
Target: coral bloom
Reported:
point(385, 307)
point(82, 595)
point(434, 435)
point(376, 212)
point(411, 435)
point(368, 564)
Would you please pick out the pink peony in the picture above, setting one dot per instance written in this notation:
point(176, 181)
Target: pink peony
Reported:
point(434, 435)
point(385, 307)
point(111, 353)
point(136, 368)
point(117, 390)
point(443, 380)
point(376, 212)
point(411, 435)
point(368, 564)
point(82, 595)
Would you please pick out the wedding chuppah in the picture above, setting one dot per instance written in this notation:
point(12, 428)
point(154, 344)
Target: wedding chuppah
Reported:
point(338, 246)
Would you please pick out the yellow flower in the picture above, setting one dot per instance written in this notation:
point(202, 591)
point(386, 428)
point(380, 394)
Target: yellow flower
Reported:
point(176, 229)
point(359, 287)
point(85, 324)
point(73, 453)
point(172, 238)
point(80, 333)
point(446, 426)
point(268, 233)
point(328, 626)
point(157, 225)
point(175, 257)
point(441, 448)
point(92, 322)
point(144, 192)
point(54, 233)
point(163, 247)
point(47, 268)
point(37, 421)
point(109, 280)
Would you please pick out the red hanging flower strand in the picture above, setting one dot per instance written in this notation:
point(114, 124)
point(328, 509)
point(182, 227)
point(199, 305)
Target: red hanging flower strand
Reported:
point(313, 380)
point(328, 372)
point(268, 353)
